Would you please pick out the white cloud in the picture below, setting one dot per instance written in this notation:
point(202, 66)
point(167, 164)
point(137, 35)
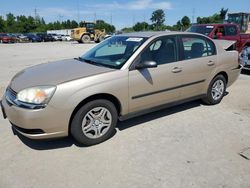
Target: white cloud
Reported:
point(134, 5)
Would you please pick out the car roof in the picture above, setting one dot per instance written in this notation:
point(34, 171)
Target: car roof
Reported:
point(156, 33)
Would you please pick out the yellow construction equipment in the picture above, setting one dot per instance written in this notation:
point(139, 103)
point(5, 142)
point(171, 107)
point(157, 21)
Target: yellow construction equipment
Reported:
point(88, 33)
point(242, 19)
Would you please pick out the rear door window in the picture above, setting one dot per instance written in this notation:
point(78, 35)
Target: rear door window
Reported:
point(197, 47)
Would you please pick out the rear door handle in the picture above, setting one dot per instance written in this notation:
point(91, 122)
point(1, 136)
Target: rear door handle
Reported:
point(176, 69)
point(210, 63)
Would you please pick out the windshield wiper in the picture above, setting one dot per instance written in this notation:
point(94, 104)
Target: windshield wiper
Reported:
point(89, 61)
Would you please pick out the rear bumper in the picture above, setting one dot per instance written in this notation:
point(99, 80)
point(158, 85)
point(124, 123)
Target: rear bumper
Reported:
point(233, 75)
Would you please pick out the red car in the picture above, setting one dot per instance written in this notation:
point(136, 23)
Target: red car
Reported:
point(227, 32)
point(5, 38)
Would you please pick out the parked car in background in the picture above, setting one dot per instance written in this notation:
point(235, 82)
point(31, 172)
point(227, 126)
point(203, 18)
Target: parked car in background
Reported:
point(45, 37)
point(122, 77)
point(22, 38)
point(227, 32)
point(66, 38)
point(7, 38)
point(33, 38)
point(56, 37)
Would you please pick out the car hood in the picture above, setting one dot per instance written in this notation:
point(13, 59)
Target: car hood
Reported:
point(54, 73)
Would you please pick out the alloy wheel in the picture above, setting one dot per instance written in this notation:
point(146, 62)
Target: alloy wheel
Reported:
point(218, 89)
point(96, 122)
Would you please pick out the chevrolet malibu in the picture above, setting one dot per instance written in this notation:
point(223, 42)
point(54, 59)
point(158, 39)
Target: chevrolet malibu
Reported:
point(122, 77)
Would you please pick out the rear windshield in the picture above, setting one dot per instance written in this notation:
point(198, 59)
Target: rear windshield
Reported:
point(202, 29)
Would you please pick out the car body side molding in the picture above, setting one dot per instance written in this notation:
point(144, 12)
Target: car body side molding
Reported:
point(160, 107)
point(168, 89)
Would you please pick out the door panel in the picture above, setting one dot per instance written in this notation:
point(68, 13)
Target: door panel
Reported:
point(195, 73)
point(199, 61)
point(153, 87)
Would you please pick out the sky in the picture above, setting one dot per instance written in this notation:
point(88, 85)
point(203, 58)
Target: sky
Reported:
point(121, 13)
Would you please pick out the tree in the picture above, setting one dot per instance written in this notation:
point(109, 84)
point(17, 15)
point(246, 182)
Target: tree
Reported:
point(158, 18)
point(141, 26)
point(100, 24)
point(185, 21)
point(127, 30)
point(10, 22)
point(73, 24)
point(179, 25)
point(2, 24)
point(223, 13)
point(216, 18)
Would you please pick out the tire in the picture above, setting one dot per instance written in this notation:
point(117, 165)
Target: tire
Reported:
point(85, 39)
point(100, 39)
point(88, 127)
point(216, 90)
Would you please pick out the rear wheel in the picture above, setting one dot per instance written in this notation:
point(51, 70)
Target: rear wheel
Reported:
point(85, 39)
point(94, 122)
point(216, 90)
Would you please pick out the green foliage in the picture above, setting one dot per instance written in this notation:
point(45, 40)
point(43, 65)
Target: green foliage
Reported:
point(182, 24)
point(100, 24)
point(216, 18)
point(127, 30)
point(2, 24)
point(185, 22)
point(223, 13)
point(24, 24)
point(141, 26)
point(158, 19)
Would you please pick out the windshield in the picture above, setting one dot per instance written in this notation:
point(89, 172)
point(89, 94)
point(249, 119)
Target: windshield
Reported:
point(202, 29)
point(113, 52)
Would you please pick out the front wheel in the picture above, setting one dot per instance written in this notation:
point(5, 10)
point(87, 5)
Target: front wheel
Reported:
point(216, 90)
point(94, 122)
point(85, 39)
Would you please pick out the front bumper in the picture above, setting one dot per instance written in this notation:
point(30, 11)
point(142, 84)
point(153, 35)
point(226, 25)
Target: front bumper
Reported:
point(36, 123)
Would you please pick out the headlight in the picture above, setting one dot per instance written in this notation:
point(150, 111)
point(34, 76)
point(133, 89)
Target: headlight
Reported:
point(36, 95)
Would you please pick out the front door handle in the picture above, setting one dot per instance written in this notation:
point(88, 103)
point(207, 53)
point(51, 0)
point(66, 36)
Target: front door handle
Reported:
point(210, 63)
point(176, 69)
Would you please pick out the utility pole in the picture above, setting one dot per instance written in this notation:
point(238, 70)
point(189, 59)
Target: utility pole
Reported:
point(111, 18)
point(60, 17)
point(78, 12)
point(95, 17)
point(133, 20)
point(36, 15)
point(193, 15)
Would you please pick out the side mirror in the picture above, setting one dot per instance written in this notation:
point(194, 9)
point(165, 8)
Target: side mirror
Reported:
point(146, 64)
